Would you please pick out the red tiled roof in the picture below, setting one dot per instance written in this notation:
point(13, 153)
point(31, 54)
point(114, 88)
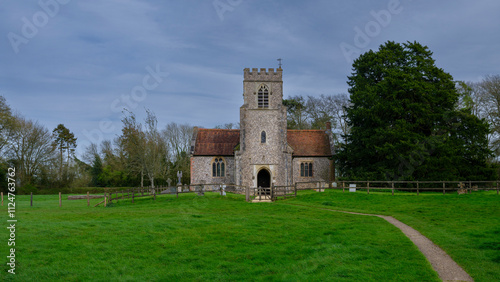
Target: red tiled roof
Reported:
point(216, 142)
point(309, 143)
point(221, 142)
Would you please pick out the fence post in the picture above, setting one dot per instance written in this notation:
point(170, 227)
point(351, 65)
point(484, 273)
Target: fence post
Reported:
point(392, 188)
point(368, 187)
point(60, 201)
point(2, 199)
point(154, 195)
point(417, 188)
point(105, 199)
point(31, 201)
point(443, 187)
point(343, 186)
point(88, 199)
point(272, 192)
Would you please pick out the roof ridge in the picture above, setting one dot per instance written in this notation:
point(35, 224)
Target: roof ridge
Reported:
point(225, 129)
point(302, 130)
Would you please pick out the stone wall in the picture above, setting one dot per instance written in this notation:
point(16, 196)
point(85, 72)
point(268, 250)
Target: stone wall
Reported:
point(321, 169)
point(202, 171)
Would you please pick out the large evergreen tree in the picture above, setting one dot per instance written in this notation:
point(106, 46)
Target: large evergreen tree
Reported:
point(405, 124)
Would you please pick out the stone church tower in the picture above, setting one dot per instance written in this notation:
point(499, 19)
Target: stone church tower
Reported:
point(264, 157)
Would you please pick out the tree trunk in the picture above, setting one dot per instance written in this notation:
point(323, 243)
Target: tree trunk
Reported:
point(152, 180)
point(142, 178)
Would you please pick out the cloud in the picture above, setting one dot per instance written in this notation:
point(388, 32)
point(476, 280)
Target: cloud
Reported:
point(93, 52)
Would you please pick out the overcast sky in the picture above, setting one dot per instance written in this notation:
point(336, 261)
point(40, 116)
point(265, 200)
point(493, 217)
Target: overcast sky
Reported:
point(81, 62)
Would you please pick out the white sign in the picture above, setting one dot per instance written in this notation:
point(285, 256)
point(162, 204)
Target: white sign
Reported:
point(352, 187)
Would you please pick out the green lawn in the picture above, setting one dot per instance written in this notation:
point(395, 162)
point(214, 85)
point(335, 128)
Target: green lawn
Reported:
point(207, 238)
point(467, 227)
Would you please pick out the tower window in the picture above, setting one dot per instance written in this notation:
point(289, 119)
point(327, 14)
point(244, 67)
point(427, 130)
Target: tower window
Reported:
point(263, 137)
point(263, 97)
point(306, 169)
point(218, 168)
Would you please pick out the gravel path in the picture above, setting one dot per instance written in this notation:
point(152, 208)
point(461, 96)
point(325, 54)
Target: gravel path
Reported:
point(443, 264)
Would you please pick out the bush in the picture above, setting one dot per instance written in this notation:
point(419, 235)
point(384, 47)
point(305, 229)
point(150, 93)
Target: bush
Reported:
point(27, 189)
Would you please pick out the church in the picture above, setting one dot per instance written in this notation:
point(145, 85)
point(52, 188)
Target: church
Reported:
point(263, 152)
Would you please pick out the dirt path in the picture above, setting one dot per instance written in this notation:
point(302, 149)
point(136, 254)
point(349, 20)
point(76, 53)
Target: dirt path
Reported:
point(443, 264)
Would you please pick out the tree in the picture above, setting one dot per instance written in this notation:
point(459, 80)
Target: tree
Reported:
point(296, 115)
point(96, 172)
point(7, 122)
point(30, 150)
point(319, 111)
point(489, 92)
point(228, 126)
point(178, 142)
point(64, 140)
point(339, 104)
point(404, 123)
point(133, 142)
point(155, 155)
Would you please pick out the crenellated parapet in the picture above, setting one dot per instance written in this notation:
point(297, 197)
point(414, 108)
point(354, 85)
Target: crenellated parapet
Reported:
point(262, 74)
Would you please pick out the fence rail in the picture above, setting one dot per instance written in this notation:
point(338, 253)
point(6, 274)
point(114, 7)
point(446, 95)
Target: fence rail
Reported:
point(274, 193)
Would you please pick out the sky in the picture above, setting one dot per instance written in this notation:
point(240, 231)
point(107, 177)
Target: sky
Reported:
point(80, 63)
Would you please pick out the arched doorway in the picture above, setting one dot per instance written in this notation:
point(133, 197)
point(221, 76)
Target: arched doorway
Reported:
point(264, 181)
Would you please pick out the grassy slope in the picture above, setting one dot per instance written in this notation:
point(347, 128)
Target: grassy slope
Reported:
point(205, 238)
point(467, 227)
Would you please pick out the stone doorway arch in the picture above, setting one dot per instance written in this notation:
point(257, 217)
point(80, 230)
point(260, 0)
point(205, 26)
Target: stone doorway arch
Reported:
point(264, 181)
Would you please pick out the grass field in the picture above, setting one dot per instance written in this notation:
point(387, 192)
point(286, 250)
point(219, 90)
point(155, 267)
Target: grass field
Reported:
point(467, 227)
point(225, 238)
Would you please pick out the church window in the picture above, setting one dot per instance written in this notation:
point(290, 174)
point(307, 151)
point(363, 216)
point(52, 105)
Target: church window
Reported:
point(218, 167)
point(263, 97)
point(263, 137)
point(306, 169)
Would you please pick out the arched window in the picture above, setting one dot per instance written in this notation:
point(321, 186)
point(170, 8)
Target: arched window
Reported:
point(263, 137)
point(218, 167)
point(263, 97)
point(306, 169)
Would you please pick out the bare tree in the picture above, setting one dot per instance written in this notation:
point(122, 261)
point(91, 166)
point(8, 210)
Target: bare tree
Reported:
point(178, 137)
point(154, 148)
point(489, 91)
point(319, 111)
point(339, 103)
point(178, 141)
point(90, 152)
point(31, 149)
point(228, 126)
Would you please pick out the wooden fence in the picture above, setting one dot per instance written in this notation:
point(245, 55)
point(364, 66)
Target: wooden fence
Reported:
point(460, 187)
point(283, 192)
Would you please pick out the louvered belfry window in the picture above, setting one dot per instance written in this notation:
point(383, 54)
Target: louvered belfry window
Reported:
point(263, 97)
